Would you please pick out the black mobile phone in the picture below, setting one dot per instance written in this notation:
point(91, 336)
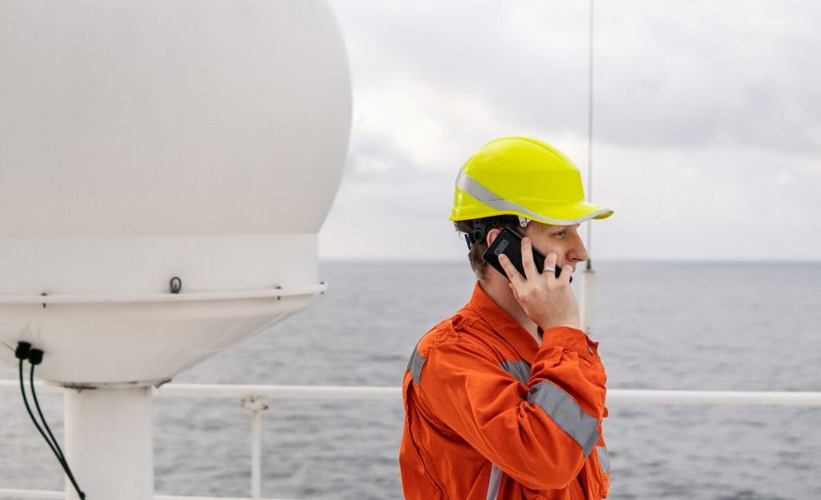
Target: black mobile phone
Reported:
point(509, 242)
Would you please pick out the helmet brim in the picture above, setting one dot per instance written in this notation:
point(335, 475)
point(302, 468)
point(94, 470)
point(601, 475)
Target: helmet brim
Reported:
point(552, 214)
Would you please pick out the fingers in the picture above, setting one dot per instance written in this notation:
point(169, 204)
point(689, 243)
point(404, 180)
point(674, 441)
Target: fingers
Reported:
point(515, 292)
point(550, 263)
point(567, 273)
point(512, 274)
point(527, 259)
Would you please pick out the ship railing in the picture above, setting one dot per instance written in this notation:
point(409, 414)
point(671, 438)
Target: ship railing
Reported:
point(254, 400)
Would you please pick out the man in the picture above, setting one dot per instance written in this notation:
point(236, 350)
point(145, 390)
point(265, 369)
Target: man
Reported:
point(504, 400)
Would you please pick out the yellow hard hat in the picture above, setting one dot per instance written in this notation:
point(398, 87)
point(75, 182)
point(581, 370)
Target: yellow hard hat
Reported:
point(525, 177)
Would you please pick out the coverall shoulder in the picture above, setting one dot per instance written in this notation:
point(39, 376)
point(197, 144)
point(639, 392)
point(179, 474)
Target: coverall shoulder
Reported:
point(492, 415)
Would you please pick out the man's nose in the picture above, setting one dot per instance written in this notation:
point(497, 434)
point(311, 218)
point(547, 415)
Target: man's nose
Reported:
point(577, 252)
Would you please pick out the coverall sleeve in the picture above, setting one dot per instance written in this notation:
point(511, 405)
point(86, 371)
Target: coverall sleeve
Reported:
point(539, 434)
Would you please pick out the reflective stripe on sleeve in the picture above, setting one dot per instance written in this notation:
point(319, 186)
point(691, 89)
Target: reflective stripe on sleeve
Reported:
point(566, 412)
point(519, 369)
point(495, 483)
point(604, 460)
point(521, 372)
point(415, 364)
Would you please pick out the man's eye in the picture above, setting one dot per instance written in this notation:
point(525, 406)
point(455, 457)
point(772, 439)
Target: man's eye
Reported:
point(560, 234)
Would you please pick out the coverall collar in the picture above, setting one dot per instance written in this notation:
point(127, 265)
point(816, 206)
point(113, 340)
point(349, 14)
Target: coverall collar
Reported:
point(503, 324)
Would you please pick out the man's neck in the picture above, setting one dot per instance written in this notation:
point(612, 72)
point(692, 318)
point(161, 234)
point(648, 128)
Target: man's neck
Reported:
point(500, 292)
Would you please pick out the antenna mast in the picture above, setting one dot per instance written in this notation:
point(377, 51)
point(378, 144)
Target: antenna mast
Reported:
point(590, 135)
point(588, 281)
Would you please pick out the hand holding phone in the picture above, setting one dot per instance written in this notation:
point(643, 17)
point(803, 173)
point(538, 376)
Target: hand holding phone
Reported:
point(509, 243)
point(549, 302)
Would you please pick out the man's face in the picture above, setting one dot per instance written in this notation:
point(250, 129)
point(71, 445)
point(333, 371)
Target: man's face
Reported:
point(564, 241)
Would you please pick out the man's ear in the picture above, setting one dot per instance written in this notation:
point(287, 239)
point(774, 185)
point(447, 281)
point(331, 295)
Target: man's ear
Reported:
point(491, 235)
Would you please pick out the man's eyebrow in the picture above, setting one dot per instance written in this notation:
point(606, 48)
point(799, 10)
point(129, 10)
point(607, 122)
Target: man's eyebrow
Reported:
point(556, 229)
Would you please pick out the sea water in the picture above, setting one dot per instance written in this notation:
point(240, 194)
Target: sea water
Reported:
point(714, 326)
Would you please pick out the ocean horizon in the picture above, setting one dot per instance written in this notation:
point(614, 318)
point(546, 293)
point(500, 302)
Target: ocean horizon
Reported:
point(661, 325)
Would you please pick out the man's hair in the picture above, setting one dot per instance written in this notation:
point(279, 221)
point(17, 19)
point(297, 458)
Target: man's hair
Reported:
point(477, 263)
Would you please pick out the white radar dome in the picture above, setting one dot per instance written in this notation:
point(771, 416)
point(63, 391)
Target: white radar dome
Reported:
point(146, 140)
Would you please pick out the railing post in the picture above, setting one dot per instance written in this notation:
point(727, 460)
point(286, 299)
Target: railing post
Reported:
point(587, 304)
point(255, 405)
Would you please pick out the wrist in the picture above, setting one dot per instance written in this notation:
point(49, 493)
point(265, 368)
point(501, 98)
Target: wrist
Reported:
point(550, 323)
point(568, 337)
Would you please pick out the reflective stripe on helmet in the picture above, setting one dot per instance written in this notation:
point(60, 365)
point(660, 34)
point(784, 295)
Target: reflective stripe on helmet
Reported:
point(472, 187)
point(566, 412)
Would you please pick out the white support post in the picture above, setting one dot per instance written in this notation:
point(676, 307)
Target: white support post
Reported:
point(255, 405)
point(587, 305)
point(109, 443)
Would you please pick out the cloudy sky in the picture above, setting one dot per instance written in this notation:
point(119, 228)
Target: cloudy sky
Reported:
point(707, 126)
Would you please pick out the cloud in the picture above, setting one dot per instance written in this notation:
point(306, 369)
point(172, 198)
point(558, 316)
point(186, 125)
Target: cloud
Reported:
point(692, 74)
point(667, 73)
point(707, 118)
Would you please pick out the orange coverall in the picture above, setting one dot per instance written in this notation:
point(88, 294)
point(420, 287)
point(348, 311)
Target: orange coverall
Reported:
point(491, 415)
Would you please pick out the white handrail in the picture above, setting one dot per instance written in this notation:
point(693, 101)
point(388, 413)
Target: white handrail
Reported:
point(254, 398)
point(19, 493)
point(614, 396)
point(279, 391)
point(758, 398)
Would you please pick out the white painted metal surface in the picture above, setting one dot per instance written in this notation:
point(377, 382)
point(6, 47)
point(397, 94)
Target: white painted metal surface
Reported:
point(142, 140)
point(722, 398)
point(170, 497)
point(45, 494)
point(165, 297)
point(147, 139)
point(587, 301)
point(279, 391)
point(254, 406)
point(109, 443)
point(18, 493)
point(169, 117)
point(146, 340)
point(614, 396)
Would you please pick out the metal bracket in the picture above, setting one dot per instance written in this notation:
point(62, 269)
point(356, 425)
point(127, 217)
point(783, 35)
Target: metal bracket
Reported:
point(254, 404)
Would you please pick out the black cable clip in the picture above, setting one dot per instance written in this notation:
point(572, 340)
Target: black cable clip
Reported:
point(23, 352)
point(477, 234)
point(176, 285)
